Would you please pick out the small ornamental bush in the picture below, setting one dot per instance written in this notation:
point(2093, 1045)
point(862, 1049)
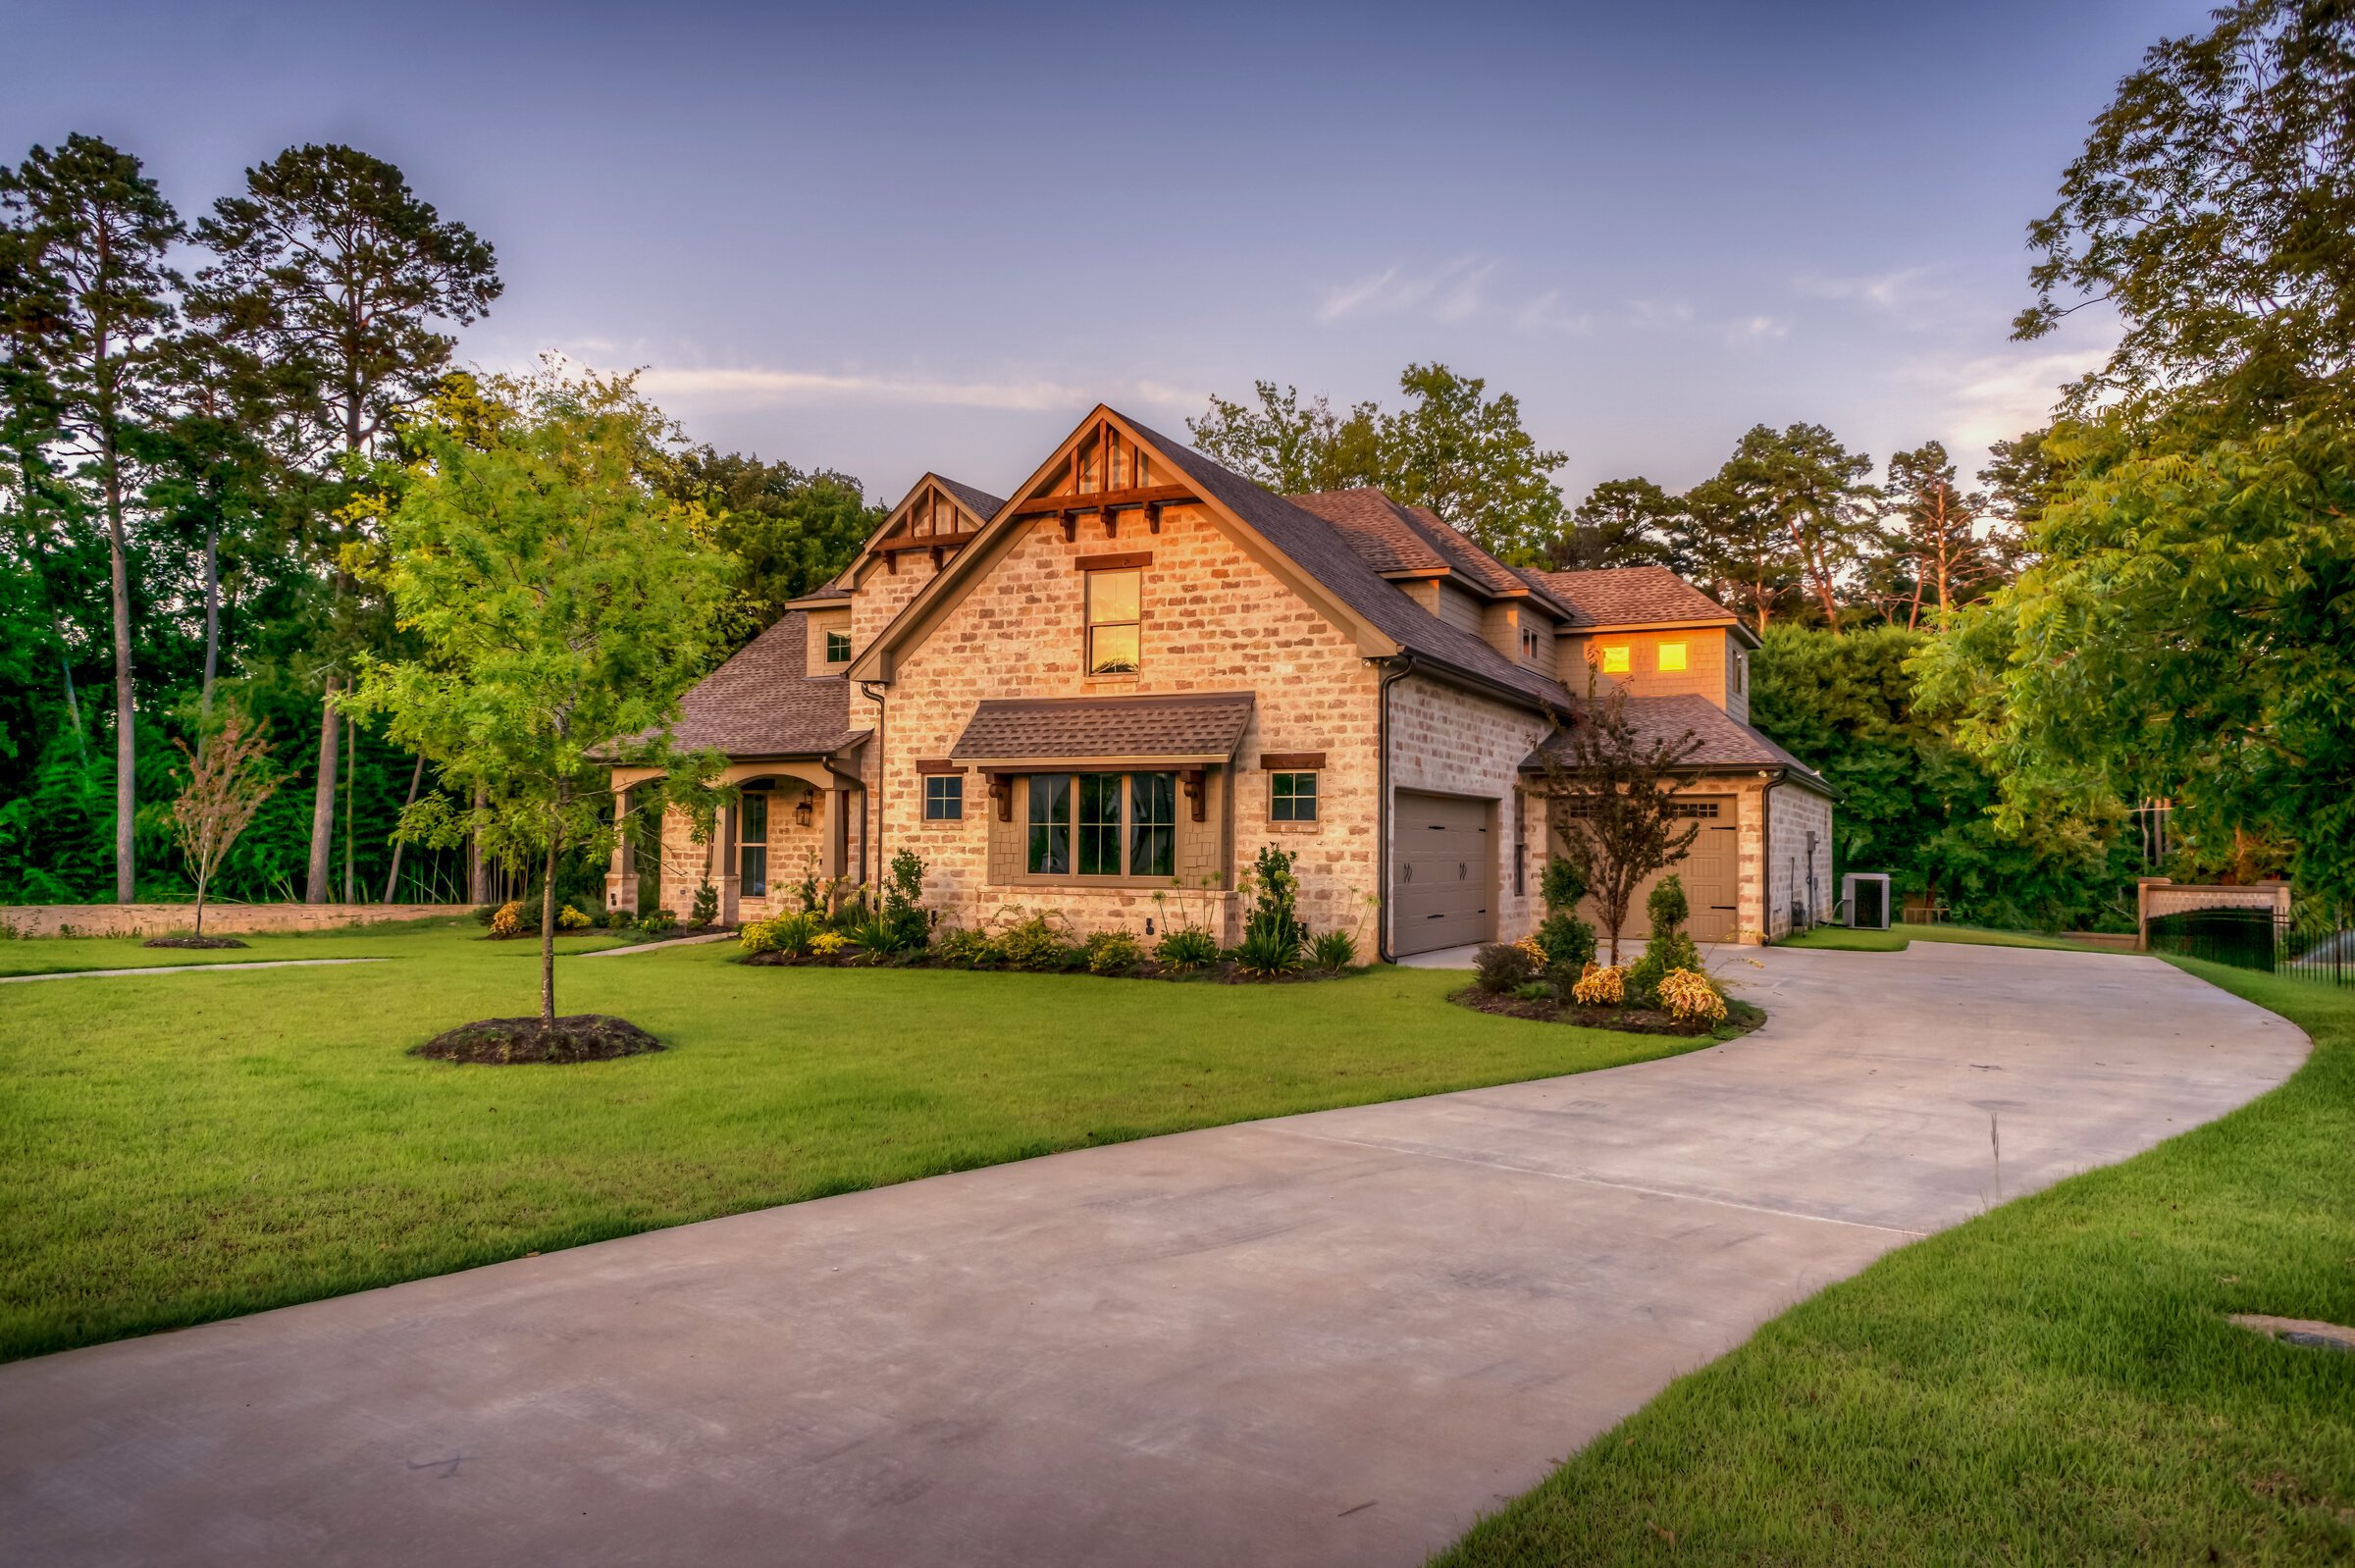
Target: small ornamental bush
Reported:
point(1568, 941)
point(1503, 966)
point(968, 946)
point(1187, 949)
point(707, 906)
point(829, 945)
point(1274, 915)
point(758, 936)
point(1562, 886)
point(1267, 950)
point(882, 937)
point(1038, 945)
point(1113, 952)
point(1669, 947)
point(657, 922)
point(1334, 950)
point(1599, 986)
point(508, 921)
point(1690, 997)
point(1534, 991)
point(569, 919)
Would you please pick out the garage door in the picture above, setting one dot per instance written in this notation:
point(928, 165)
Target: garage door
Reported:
point(1711, 872)
point(1443, 857)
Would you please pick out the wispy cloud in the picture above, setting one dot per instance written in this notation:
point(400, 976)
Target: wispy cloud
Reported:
point(1547, 313)
point(1450, 292)
point(1995, 396)
point(1887, 291)
point(754, 387)
point(1757, 329)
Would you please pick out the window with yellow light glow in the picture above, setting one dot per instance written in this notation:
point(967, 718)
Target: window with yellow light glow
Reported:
point(1672, 655)
point(1614, 661)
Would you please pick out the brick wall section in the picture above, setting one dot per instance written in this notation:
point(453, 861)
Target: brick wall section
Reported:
point(220, 919)
point(1213, 620)
point(1451, 742)
point(1795, 813)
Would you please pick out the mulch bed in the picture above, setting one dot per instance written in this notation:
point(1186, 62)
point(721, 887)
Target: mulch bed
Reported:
point(1222, 973)
point(1739, 1016)
point(193, 941)
point(509, 1042)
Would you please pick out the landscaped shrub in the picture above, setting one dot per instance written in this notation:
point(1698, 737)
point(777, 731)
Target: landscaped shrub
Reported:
point(904, 901)
point(1269, 950)
point(1039, 946)
point(508, 920)
point(1503, 966)
point(569, 919)
point(1275, 910)
point(707, 906)
point(1113, 952)
point(657, 922)
point(1669, 947)
point(968, 946)
point(1690, 997)
point(883, 936)
point(1534, 991)
point(1334, 950)
point(1562, 886)
point(790, 934)
point(1568, 942)
point(1187, 949)
point(829, 945)
point(1599, 986)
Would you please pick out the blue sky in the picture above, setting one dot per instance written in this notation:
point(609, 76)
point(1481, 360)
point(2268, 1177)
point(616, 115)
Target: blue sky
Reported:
point(887, 238)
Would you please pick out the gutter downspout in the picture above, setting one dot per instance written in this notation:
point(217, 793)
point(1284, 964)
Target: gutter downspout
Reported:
point(874, 692)
point(1400, 667)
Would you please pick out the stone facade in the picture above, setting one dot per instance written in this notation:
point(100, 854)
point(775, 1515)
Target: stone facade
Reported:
point(1449, 742)
point(1797, 816)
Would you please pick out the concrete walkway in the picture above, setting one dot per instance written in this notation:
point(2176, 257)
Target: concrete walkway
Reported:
point(1328, 1339)
point(184, 968)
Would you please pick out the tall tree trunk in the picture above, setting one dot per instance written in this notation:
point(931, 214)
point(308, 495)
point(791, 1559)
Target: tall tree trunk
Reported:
point(351, 772)
point(392, 878)
point(321, 870)
point(478, 864)
point(200, 878)
point(126, 756)
point(548, 936)
point(212, 625)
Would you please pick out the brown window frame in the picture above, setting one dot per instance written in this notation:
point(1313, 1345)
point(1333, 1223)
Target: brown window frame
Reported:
point(1089, 625)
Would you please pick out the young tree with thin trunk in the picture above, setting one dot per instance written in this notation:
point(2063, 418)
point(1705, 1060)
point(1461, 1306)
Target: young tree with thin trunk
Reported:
point(228, 779)
point(1611, 791)
point(330, 271)
point(99, 229)
point(560, 608)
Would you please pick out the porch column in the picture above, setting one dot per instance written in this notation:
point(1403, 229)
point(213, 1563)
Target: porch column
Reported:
point(723, 851)
point(621, 877)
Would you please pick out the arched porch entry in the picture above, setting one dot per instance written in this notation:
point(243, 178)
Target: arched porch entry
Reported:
point(792, 820)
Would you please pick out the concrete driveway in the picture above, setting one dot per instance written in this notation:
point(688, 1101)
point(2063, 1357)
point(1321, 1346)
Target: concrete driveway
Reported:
point(1328, 1339)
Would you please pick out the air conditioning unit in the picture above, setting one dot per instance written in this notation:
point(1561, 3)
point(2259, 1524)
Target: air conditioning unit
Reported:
point(1866, 897)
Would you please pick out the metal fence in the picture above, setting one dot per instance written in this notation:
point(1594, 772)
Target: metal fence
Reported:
point(2259, 939)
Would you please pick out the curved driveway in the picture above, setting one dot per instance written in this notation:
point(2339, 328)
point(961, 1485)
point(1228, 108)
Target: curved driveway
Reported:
point(1332, 1338)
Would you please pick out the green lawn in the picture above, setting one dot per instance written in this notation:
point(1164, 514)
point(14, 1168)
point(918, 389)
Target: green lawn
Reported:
point(2052, 1383)
point(57, 954)
point(176, 1148)
point(1895, 939)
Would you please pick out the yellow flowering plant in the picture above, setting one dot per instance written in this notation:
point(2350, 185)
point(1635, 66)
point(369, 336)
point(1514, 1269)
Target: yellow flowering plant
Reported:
point(1690, 997)
point(1603, 985)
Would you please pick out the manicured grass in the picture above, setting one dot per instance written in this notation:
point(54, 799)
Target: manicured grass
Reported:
point(59, 955)
point(2052, 1383)
point(178, 1148)
point(1894, 940)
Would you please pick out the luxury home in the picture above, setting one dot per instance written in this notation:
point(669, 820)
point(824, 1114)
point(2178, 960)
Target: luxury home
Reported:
point(1103, 695)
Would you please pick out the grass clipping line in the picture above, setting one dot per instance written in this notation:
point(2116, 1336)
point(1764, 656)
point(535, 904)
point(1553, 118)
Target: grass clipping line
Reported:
point(509, 1042)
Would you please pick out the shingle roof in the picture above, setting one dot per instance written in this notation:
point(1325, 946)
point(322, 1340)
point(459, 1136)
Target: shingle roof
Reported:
point(980, 503)
point(1630, 596)
point(1724, 740)
point(764, 702)
point(1375, 527)
point(1325, 553)
point(1184, 724)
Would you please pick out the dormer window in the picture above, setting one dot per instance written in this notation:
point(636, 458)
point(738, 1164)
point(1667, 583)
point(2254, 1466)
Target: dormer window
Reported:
point(1529, 646)
point(838, 647)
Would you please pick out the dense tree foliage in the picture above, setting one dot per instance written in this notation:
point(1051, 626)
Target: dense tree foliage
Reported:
point(188, 471)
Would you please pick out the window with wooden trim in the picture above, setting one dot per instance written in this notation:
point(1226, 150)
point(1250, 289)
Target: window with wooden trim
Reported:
point(1292, 797)
point(838, 647)
point(943, 797)
point(1102, 825)
point(1115, 612)
point(1672, 656)
point(752, 846)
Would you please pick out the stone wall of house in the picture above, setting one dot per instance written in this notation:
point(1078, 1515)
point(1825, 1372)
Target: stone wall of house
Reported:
point(220, 919)
point(1795, 813)
point(686, 863)
point(1449, 742)
point(1213, 619)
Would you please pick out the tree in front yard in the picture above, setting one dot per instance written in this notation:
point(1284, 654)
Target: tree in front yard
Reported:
point(560, 608)
point(1612, 811)
point(228, 779)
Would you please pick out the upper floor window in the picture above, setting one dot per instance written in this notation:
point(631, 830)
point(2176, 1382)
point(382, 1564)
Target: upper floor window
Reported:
point(1672, 655)
point(1613, 659)
point(1741, 671)
point(838, 647)
point(1113, 615)
point(1529, 645)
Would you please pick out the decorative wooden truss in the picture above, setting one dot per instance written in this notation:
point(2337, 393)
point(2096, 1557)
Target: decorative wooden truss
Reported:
point(931, 520)
point(1107, 475)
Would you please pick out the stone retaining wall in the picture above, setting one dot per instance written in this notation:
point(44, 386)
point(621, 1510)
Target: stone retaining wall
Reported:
point(222, 919)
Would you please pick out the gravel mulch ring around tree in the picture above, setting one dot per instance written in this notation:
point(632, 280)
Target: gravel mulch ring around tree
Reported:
point(193, 941)
point(506, 1042)
point(1739, 1016)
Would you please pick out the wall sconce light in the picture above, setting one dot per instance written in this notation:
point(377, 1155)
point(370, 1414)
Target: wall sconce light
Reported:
point(805, 810)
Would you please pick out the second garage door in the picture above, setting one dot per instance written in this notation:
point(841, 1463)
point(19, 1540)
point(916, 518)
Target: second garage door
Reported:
point(1442, 860)
point(1711, 872)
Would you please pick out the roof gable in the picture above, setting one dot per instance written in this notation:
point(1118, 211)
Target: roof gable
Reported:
point(938, 515)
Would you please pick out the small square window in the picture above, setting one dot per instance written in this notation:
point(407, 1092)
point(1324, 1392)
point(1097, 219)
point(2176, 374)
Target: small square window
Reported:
point(838, 647)
point(1292, 797)
point(1672, 655)
point(1614, 661)
point(943, 797)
